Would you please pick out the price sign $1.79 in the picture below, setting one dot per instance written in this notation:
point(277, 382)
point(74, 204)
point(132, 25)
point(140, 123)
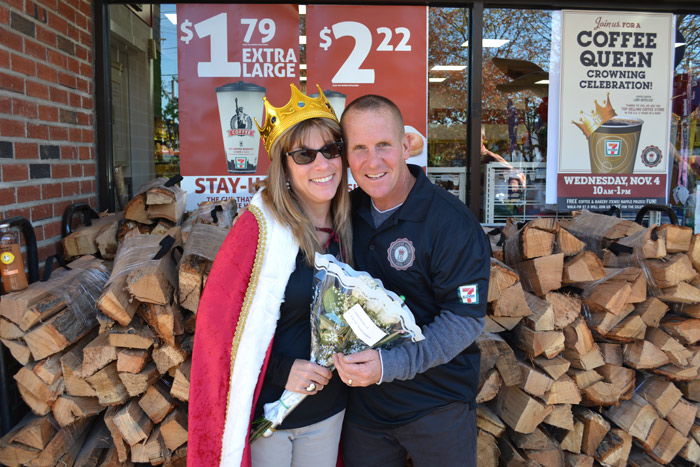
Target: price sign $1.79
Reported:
point(350, 71)
point(217, 28)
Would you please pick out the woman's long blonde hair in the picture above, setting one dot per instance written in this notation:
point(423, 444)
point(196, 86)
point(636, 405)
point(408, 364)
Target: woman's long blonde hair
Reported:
point(285, 204)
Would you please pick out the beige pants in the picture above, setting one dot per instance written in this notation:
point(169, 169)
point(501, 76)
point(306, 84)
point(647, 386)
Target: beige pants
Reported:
point(309, 446)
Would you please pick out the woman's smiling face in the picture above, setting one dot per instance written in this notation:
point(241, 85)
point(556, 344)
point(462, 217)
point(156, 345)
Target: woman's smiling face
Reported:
point(315, 183)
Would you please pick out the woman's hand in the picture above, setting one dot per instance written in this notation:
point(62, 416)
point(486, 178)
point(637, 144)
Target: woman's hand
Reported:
point(304, 373)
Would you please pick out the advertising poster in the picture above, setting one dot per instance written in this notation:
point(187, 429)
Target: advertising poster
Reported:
point(229, 57)
point(371, 49)
point(615, 100)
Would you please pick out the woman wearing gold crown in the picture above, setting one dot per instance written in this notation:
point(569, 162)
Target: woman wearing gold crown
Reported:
point(253, 332)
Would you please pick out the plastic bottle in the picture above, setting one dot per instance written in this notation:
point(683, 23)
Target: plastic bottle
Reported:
point(11, 263)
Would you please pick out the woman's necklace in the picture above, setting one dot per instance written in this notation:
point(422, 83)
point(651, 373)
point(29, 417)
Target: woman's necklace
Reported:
point(332, 235)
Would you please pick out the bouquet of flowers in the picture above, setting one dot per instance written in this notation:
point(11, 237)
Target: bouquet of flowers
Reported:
point(351, 311)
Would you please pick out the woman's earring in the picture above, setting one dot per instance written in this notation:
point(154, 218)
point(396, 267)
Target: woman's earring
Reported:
point(289, 187)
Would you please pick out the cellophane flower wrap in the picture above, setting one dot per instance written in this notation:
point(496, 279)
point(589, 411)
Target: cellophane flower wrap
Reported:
point(351, 312)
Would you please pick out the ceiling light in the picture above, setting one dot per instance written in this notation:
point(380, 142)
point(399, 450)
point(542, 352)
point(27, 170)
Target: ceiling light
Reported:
point(302, 78)
point(680, 44)
point(436, 80)
point(302, 40)
point(302, 66)
point(172, 17)
point(490, 43)
point(302, 9)
point(448, 68)
point(542, 81)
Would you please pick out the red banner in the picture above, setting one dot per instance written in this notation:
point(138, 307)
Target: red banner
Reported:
point(229, 57)
point(358, 50)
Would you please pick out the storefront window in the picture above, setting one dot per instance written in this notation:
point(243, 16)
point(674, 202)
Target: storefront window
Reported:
point(685, 137)
point(516, 49)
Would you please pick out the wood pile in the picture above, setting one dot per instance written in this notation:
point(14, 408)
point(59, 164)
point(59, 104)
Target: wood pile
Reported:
point(590, 354)
point(106, 345)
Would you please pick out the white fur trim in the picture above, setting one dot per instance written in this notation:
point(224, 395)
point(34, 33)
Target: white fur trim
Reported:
point(278, 264)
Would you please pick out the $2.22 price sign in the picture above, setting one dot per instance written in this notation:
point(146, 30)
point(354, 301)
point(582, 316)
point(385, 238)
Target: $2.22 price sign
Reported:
point(351, 70)
point(359, 50)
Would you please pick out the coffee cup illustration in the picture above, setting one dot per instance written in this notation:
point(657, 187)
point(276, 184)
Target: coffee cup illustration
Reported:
point(239, 103)
point(612, 140)
point(336, 99)
point(613, 146)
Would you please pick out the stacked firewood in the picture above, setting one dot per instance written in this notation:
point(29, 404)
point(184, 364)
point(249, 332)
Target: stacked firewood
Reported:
point(106, 345)
point(590, 351)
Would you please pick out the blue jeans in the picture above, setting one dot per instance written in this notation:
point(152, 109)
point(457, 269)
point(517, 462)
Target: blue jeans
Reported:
point(445, 437)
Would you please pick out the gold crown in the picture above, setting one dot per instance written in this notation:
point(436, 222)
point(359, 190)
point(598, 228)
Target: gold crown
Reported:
point(299, 108)
point(590, 123)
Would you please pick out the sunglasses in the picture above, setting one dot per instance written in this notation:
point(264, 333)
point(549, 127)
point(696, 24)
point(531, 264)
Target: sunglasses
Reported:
point(307, 156)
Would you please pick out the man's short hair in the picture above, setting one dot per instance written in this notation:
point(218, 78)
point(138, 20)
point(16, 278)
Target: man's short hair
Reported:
point(373, 102)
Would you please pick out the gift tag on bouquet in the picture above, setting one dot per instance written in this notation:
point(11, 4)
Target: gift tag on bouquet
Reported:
point(363, 326)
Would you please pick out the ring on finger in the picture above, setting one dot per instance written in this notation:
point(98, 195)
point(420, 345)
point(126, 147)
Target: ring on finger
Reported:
point(311, 387)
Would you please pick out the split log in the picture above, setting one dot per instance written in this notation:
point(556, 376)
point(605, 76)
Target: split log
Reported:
point(670, 271)
point(153, 450)
point(67, 409)
point(615, 448)
point(495, 352)
point(535, 343)
point(136, 210)
point(563, 391)
point(643, 355)
point(595, 428)
point(487, 452)
point(651, 311)
point(64, 446)
point(157, 402)
point(97, 354)
point(133, 424)
point(83, 241)
point(174, 429)
point(670, 444)
point(117, 439)
point(584, 267)
point(136, 384)
point(567, 308)
point(519, 411)
point(675, 351)
point(488, 389)
point(554, 367)
point(165, 320)
point(561, 417)
point(607, 296)
point(132, 360)
point(677, 237)
point(567, 243)
point(107, 385)
point(71, 368)
point(636, 416)
point(681, 293)
point(682, 416)
point(571, 440)
point(542, 275)
point(203, 243)
point(181, 382)
point(534, 382)
point(542, 313)
point(136, 335)
point(686, 330)
point(154, 279)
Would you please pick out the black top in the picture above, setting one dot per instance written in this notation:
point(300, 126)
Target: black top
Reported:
point(293, 340)
point(427, 251)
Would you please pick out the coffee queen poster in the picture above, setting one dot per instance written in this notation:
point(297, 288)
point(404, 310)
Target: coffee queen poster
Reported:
point(615, 96)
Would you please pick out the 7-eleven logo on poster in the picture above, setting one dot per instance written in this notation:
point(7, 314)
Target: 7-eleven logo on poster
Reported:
point(469, 294)
point(612, 147)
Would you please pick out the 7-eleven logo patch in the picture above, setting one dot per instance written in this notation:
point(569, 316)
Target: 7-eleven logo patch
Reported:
point(469, 294)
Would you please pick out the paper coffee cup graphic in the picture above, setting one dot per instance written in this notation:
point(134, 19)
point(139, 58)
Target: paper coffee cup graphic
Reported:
point(239, 103)
point(612, 140)
point(336, 99)
point(613, 146)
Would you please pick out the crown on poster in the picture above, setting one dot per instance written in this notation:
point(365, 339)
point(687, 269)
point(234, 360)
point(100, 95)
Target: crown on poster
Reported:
point(299, 108)
point(589, 123)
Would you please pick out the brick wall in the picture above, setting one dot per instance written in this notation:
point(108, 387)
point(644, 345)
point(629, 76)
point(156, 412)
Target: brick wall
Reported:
point(47, 134)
